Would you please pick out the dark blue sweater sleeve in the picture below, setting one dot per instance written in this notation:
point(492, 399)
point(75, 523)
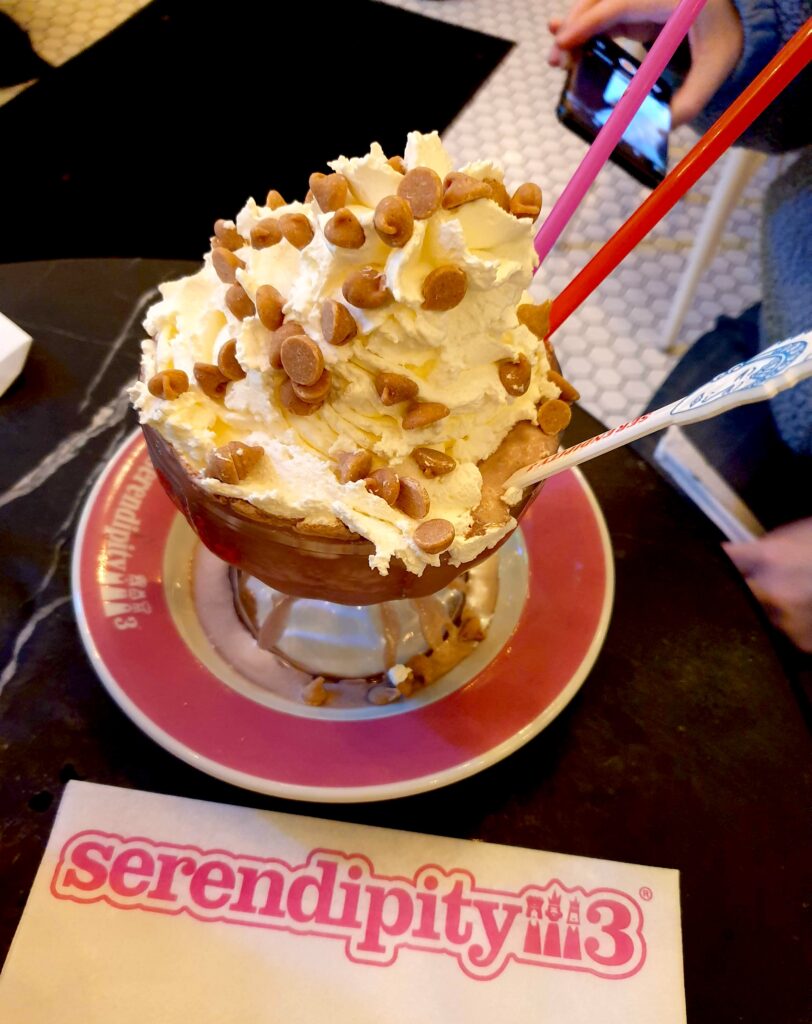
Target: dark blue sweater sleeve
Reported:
point(786, 280)
point(786, 252)
point(787, 123)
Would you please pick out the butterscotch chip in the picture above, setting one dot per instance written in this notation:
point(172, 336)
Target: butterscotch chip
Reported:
point(459, 188)
point(239, 302)
point(433, 463)
point(344, 230)
point(526, 201)
point(266, 233)
point(515, 374)
point(434, 536)
point(228, 236)
point(394, 221)
point(291, 401)
point(397, 163)
point(450, 652)
point(535, 318)
point(297, 229)
point(314, 392)
point(302, 360)
point(554, 415)
point(499, 194)
point(422, 190)
point(445, 287)
point(412, 498)
point(394, 387)
point(366, 289)
point(211, 380)
point(227, 362)
point(385, 483)
point(269, 306)
point(421, 414)
point(353, 466)
point(313, 693)
point(329, 190)
point(382, 693)
point(274, 200)
point(407, 686)
point(569, 393)
point(423, 670)
point(168, 384)
point(226, 264)
point(287, 330)
point(233, 461)
point(472, 629)
point(337, 323)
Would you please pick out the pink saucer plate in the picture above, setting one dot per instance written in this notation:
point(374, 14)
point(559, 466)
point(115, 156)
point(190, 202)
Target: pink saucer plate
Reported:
point(135, 646)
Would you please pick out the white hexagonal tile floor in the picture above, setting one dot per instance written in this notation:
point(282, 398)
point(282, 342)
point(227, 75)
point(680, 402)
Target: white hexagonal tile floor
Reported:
point(512, 117)
point(58, 31)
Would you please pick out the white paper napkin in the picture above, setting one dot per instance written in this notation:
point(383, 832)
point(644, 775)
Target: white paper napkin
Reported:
point(154, 908)
point(14, 346)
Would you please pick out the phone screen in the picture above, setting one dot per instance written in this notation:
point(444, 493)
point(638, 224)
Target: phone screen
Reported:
point(596, 83)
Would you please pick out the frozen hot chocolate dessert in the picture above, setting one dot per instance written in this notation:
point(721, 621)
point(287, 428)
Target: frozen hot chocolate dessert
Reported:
point(363, 365)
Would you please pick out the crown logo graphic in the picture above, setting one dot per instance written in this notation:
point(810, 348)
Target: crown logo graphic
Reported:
point(532, 936)
point(534, 906)
point(554, 912)
point(572, 939)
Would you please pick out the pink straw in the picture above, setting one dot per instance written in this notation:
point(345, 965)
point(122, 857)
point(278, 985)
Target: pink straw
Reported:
point(674, 31)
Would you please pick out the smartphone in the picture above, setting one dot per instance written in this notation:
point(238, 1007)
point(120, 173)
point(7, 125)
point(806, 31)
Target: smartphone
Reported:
point(596, 81)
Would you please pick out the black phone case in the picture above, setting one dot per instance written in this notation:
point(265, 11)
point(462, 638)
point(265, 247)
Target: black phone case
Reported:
point(641, 172)
point(566, 116)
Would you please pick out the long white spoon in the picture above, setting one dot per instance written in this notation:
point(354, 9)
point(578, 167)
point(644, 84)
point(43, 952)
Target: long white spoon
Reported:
point(778, 367)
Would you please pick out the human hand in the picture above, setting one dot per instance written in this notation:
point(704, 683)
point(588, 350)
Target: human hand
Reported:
point(716, 39)
point(778, 569)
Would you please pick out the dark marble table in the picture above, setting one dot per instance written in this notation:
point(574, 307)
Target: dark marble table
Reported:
point(686, 747)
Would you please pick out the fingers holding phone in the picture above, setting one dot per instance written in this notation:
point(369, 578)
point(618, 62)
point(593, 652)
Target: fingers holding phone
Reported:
point(716, 40)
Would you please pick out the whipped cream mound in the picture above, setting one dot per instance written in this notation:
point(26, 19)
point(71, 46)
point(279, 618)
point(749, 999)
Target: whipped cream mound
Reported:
point(452, 355)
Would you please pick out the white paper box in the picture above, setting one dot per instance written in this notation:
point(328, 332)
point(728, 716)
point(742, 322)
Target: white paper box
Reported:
point(153, 908)
point(14, 346)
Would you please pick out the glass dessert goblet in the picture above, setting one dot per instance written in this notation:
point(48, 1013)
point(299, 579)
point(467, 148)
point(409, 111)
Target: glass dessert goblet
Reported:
point(314, 601)
point(332, 568)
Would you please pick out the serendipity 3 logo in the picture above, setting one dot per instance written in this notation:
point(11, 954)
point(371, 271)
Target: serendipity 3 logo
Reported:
point(757, 372)
point(341, 896)
point(123, 593)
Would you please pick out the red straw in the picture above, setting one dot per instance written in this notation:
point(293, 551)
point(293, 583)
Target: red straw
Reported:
point(786, 64)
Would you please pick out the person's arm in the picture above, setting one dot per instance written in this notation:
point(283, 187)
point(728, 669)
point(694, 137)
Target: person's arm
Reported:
point(730, 43)
point(785, 125)
point(778, 569)
point(716, 39)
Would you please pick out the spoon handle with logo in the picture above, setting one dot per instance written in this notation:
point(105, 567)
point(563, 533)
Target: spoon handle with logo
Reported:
point(778, 367)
